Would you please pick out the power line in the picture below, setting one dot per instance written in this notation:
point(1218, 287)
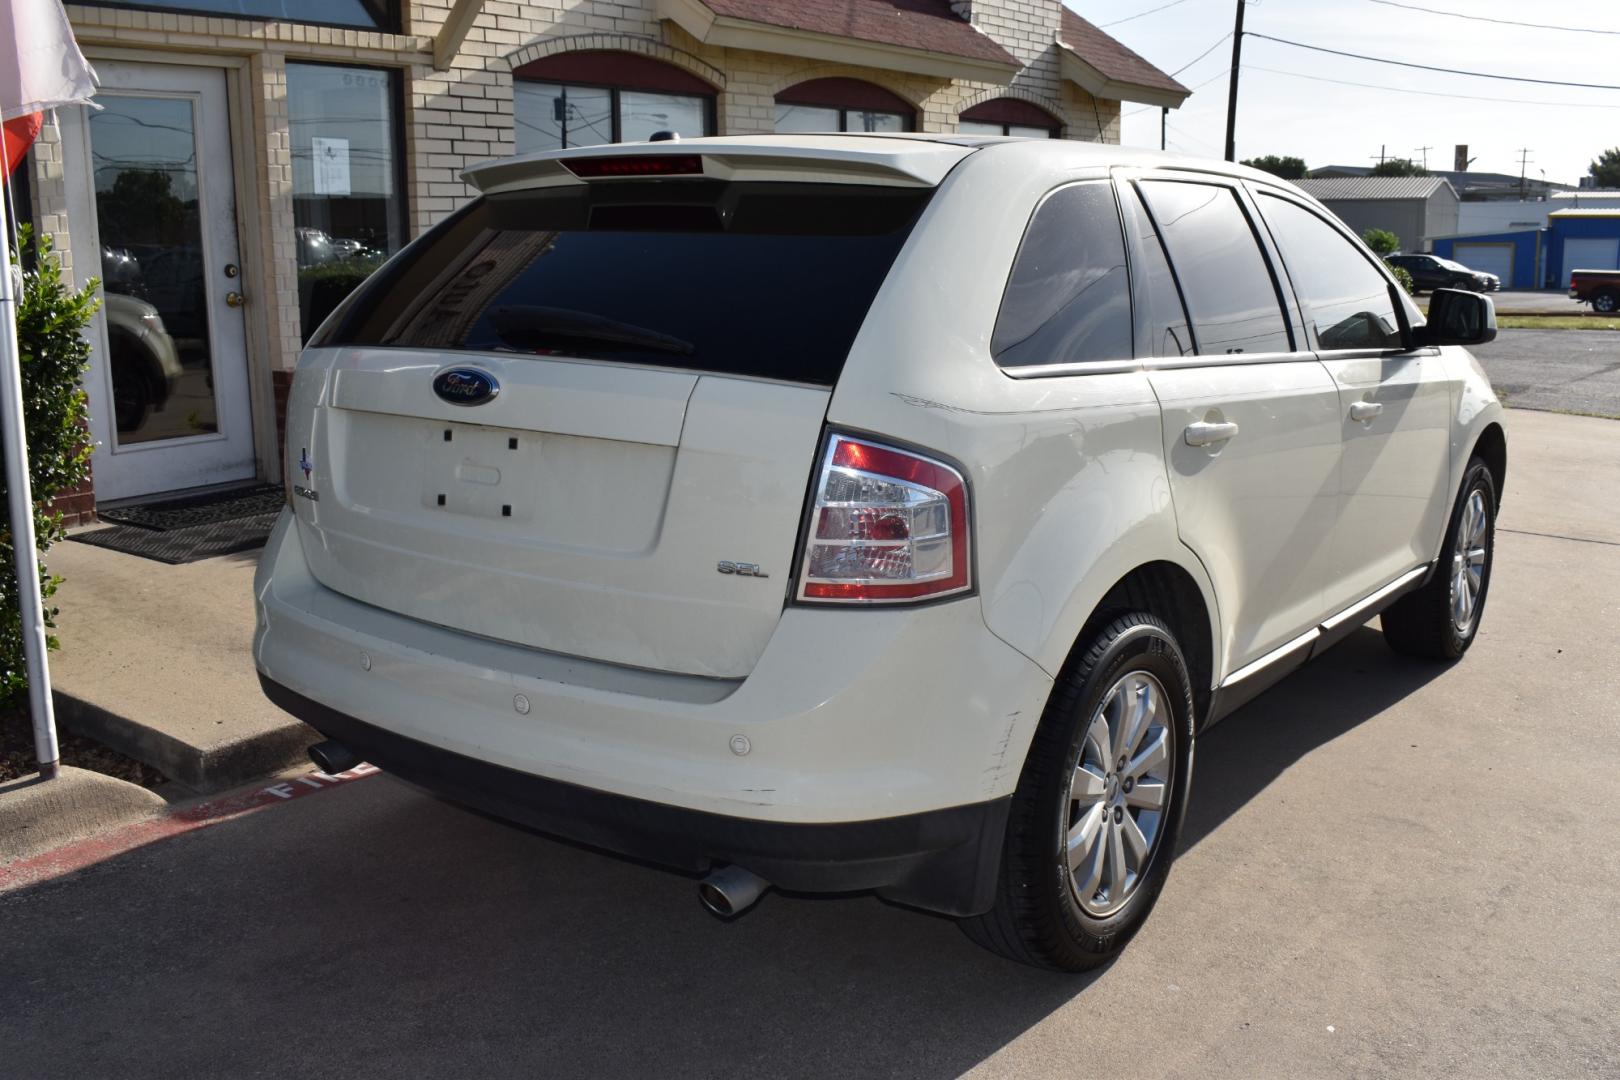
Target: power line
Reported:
point(1201, 55)
point(1139, 14)
point(1431, 93)
point(1501, 22)
point(1431, 67)
point(1200, 86)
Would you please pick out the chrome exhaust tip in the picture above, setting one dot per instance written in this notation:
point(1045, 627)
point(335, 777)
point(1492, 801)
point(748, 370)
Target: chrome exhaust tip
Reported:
point(731, 890)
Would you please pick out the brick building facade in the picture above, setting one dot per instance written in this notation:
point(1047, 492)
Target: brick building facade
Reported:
point(317, 149)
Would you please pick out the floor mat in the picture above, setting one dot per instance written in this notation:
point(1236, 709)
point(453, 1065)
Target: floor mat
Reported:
point(184, 545)
point(189, 511)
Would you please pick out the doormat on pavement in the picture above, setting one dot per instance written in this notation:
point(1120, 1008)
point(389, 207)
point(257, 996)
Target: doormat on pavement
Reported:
point(184, 545)
point(188, 511)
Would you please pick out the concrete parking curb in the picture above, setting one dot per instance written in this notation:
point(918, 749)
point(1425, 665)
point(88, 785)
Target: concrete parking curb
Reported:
point(38, 815)
point(240, 753)
point(157, 663)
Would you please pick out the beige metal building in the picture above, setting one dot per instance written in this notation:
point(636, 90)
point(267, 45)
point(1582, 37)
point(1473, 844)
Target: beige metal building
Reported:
point(249, 166)
point(1412, 207)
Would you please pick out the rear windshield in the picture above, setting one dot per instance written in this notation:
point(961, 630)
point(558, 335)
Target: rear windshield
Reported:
point(753, 279)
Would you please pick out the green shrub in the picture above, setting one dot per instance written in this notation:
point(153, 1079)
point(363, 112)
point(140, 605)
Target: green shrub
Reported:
point(1404, 278)
point(322, 288)
point(54, 353)
point(1382, 241)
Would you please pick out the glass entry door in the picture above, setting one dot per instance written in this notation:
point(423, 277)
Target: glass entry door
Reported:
point(168, 382)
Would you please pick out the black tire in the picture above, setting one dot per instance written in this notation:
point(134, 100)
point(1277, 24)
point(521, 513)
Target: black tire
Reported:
point(1606, 302)
point(1422, 623)
point(1038, 918)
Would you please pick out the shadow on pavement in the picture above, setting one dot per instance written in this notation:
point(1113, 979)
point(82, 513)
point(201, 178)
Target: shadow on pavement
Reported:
point(371, 931)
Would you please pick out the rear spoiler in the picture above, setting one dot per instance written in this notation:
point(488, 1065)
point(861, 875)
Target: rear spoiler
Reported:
point(831, 159)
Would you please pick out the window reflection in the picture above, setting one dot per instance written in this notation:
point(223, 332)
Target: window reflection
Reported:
point(144, 156)
point(555, 116)
point(347, 205)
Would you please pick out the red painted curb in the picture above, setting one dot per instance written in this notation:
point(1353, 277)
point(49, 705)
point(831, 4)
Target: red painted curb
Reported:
point(81, 853)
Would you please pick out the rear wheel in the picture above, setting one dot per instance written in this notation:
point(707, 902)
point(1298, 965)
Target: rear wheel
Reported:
point(1606, 302)
point(1440, 620)
point(1093, 826)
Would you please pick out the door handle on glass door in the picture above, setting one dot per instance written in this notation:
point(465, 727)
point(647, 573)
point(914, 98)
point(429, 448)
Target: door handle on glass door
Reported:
point(235, 299)
point(1365, 410)
point(1207, 434)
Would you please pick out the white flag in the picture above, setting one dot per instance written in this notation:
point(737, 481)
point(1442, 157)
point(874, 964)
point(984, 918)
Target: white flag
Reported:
point(41, 66)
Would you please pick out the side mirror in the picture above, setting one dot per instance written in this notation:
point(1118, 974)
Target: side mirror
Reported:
point(1458, 318)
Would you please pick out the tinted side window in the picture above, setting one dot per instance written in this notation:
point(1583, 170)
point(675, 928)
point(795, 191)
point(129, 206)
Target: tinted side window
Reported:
point(1348, 300)
point(1166, 317)
point(1223, 276)
point(1068, 298)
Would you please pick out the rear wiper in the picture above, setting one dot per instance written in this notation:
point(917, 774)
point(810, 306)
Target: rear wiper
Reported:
point(529, 327)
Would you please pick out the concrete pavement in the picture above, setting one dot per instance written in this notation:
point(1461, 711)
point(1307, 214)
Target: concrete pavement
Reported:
point(156, 662)
point(1565, 370)
point(1390, 869)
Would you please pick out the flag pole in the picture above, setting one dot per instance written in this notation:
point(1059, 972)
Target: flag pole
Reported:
point(20, 496)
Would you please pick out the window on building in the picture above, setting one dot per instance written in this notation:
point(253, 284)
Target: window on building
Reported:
point(1347, 300)
point(1009, 116)
point(1068, 299)
point(365, 14)
point(595, 97)
point(348, 205)
point(842, 105)
point(1223, 275)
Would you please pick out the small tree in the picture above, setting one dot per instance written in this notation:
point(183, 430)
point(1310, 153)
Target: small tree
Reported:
point(1382, 241)
point(1399, 166)
point(1606, 169)
point(1404, 278)
point(54, 354)
point(1289, 168)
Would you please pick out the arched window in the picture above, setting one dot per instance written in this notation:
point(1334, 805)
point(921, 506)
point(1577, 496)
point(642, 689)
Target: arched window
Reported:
point(593, 97)
point(842, 105)
point(1009, 116)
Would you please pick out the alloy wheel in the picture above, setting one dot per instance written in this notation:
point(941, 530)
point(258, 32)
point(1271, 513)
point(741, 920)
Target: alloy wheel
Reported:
point(1468, 562)
point(1119, 793)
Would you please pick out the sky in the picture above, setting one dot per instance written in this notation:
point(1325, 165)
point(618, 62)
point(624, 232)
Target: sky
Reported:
point(1328, 123)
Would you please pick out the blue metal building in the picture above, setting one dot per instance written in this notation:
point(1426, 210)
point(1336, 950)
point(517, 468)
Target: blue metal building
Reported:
point(1577, 239)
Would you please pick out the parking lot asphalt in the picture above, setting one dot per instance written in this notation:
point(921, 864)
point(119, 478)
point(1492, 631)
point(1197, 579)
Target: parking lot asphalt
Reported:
point(1564, 370)
point(1390, 869)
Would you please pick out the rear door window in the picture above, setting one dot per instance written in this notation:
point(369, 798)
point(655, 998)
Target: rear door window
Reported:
point(1068, 299)
point(1348, 302)
point(760, 279)
point(1224, 278)
point(1165, 316)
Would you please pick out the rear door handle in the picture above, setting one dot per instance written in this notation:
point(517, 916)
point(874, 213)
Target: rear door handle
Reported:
point(1365, 410)
point(1206, 434)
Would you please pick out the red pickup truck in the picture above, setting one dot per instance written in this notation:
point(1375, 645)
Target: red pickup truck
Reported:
point(1600, 288)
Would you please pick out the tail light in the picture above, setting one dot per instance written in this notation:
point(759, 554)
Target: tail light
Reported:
point(886, 525)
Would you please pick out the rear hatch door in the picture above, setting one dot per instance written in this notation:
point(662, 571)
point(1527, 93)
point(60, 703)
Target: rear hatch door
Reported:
point(568, 417)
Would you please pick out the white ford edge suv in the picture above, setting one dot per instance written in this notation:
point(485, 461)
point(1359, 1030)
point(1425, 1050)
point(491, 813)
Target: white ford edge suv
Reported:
point(867, 513)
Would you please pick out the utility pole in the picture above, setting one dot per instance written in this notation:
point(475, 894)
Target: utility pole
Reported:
point(1382, 154)
point(1164, 125)
point(1524, 159)
point(1424, 150)
point(1232, 92)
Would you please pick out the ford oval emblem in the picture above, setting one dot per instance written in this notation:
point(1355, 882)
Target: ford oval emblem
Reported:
point(465, 386)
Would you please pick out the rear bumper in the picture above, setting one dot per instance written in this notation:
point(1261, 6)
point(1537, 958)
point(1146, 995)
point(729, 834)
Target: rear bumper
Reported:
point(868, 749)
point(943, 860)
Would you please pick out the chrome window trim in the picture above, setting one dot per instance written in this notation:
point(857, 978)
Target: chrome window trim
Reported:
point(1082, 367)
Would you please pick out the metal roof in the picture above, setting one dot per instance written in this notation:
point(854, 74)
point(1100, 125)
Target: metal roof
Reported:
point(1349, 188)
point(1587, 212)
